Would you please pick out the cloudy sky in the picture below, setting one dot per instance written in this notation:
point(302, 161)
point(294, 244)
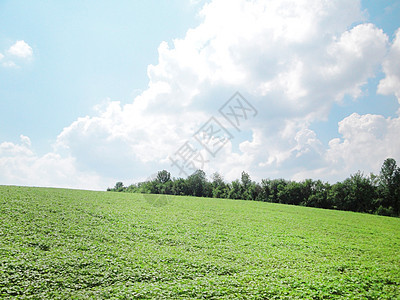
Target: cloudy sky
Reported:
point(93, 92)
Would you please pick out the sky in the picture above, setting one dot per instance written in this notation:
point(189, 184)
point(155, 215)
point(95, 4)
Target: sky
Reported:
point(94, 92)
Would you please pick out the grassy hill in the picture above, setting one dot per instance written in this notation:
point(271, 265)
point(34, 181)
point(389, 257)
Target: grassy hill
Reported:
point(58, 243)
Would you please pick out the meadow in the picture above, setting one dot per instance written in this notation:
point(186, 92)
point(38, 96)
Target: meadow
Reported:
point(73, 244)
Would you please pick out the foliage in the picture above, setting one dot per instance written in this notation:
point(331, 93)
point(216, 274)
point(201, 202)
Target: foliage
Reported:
point(71, 244)
point(359, 193)
point(163, 177)
point(389, 188)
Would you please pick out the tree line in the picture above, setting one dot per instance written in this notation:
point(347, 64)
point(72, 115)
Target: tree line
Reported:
point(377, 194)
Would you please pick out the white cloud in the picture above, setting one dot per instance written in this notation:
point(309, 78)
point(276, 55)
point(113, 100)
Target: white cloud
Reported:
point(20, 165)
point(391, 66)
point(366, 141)
point(26, 141)
point(293, 60)
point(9, 64)
point(8, 149)
point(355, 58)
point(21, 49)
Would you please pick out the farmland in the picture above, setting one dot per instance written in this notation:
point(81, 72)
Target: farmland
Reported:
point(62, 244)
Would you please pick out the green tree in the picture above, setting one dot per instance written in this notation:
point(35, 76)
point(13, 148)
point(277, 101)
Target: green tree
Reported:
point(337, 194)
point(255, 192)
point(179, 187)
point(245, 186)
point(208, 190)
point(320, 195)
point(218, 186)
point(275, 186)
point(163, 176)
point(389, 186)
point(235, 191)
point(133, 188)
point(119, 187)
point(166, 188)
point(357, 194)
point(265, 190)
point(291, 193)
point(197, 183)
point(217, 179)
point(246, 180)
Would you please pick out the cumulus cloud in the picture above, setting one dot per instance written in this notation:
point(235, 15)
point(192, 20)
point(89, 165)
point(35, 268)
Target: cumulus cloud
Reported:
point(20, 165)
point(293, 60)
point(366, 141)
point(21, 49)
point(361, 50)
point(9, 64)
point(391, 67)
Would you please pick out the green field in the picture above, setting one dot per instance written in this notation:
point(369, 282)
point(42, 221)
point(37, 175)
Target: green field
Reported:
point(58, 243)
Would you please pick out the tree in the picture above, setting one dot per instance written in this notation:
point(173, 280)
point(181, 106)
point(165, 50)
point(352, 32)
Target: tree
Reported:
point(235, 190)
point(245, 190)
point(217, 179)
point(153, 187)
point(246, 181)
point(179, 187)
point(197, 183)
point(133, 188)
point(307, 190)
point(319, 195)
point(291, 193)
point(357, 193)
point(388, 172)
point(208, 189)
point(389, 185)
point(265, 190)
point(218, 186)
point(275, 186)
point(337, 195)
point(255, 192)
point(166, 188)
point(119, 187)
point(378, 194)
point(163, 176)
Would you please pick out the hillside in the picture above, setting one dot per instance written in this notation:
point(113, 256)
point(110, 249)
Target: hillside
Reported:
point(59, 243)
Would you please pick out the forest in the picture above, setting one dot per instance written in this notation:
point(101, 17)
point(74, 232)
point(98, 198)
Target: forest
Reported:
point(375, 194)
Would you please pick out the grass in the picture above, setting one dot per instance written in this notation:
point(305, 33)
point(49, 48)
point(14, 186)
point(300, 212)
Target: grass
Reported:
point(71, 244)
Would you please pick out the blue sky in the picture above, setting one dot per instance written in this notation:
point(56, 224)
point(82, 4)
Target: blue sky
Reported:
point(92, 92)
point(84, 52)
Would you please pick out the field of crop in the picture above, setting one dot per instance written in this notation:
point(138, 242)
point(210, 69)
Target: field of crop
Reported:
point(58, 243)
